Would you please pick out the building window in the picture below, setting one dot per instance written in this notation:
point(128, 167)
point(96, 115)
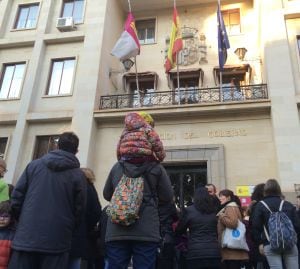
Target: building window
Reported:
point(146, 93)
point(188, 91)
point(189, 81)
point(61, 76)
point(3, 144)
point(147, 88)
point(232, 21)
point(231, 89)
point(146, 31)
point(44, 144)
point(27, 16)
point(73, 8)
point(185, 179)
point(234, 80)
point(11, 80)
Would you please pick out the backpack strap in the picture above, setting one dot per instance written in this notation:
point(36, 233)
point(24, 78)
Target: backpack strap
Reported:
point(266, 206)
point(281, 205)
point(265, 229)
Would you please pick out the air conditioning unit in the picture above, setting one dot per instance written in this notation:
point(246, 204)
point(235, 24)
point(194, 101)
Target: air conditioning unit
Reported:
point(65, 24)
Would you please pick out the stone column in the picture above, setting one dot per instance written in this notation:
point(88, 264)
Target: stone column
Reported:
point(87, 91)
point(278, 70)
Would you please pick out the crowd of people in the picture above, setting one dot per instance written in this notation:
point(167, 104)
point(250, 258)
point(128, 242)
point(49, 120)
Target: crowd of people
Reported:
point(52, 218)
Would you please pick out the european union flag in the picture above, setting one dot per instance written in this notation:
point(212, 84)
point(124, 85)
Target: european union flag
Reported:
point(223, 42)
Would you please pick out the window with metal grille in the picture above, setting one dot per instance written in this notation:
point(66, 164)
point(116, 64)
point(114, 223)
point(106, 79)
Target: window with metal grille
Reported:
point(146, 31)
point(3, 145)
point(11, 80)
point(188, 90)
point(73, 8)
point(44, 144)
point(146, 93)
point(27, 16)
point(147, 82)
point(61, 76)
point(185, 178)
point(232, 22)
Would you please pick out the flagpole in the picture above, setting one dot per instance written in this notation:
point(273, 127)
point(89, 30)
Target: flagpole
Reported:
point(129, 5)
point(137, 81)
point(221, 86)
point(178, 81)
point(177, 68)
point(221, 82)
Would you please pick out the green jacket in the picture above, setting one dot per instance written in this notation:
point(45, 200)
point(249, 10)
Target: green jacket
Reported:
point(4, 190)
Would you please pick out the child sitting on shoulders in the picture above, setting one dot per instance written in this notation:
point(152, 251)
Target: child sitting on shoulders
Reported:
point(139, 141)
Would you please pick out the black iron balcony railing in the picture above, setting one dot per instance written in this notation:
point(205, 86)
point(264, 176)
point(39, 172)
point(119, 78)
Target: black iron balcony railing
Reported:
point(187, 96)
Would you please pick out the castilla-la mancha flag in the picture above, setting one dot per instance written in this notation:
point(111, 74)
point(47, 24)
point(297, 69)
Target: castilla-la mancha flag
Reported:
point(128, 44)
point(175, 42)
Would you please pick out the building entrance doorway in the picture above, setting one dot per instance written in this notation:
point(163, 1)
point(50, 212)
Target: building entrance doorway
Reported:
point(185, 178)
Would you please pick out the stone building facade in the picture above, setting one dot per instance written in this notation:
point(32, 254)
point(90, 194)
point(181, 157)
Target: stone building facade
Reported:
point(57, 75)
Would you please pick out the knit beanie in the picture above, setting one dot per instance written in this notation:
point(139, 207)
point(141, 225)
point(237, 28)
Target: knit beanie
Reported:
point(147, 117)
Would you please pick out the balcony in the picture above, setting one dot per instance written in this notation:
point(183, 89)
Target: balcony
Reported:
point(184, 97)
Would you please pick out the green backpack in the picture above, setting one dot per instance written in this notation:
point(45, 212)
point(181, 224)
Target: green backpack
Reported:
point(125, 204)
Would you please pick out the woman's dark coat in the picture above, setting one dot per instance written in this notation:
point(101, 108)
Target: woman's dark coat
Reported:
point(203, 238)
point(84, 241)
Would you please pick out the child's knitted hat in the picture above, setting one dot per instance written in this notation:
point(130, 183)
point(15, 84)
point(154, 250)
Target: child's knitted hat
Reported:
point(147, 117)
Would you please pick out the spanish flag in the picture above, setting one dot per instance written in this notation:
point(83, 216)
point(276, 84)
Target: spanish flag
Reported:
point(175, 42)
point(128, 44)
